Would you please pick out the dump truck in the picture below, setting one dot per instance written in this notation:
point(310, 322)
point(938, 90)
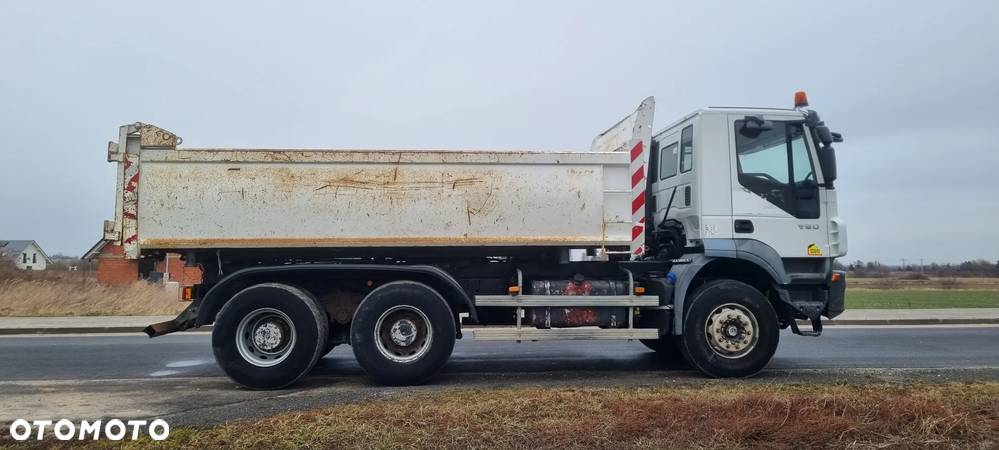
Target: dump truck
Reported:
point(702, 241)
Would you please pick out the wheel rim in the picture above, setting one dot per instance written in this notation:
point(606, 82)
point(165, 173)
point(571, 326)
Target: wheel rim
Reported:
point(731, 330)
point(265, 337)
point(403, 334)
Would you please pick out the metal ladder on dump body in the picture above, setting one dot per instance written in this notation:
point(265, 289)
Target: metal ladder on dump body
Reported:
point(521, 333)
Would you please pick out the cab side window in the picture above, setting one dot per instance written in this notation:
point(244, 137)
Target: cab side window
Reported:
point(774, 163)
point(667, 161)
point(687, 149)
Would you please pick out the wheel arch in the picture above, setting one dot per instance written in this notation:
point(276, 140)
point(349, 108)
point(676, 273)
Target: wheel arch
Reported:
point(705, 268)
point(213, 300)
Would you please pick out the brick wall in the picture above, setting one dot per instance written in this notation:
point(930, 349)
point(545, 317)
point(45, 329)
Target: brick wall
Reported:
point(173, 265)
point(113, 268)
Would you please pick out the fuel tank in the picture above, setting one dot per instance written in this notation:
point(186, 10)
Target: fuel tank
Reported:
point(577, 316)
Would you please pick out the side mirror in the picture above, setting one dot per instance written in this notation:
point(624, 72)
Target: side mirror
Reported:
point(837, 137)
point(812, 118)
point(825, 136)
point(827, 161)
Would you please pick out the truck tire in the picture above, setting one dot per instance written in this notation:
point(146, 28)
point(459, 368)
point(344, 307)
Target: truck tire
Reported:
point(269, 336)
point(667, 348)
point(729, 330)
point(402, 333)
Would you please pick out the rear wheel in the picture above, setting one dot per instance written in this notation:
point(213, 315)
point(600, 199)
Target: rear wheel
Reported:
point(269, 336)
point(402, 333)
point(730, 330)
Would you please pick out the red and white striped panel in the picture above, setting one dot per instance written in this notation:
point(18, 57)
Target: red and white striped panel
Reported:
point(637, 169)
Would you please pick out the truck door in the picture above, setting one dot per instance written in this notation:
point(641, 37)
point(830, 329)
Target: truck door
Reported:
point(776, 197)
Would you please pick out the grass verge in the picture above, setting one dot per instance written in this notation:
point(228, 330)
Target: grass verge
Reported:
point(716, 416)
point(83, 297)
point(920, 299)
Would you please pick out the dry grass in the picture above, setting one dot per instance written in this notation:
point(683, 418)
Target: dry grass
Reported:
point(52, 293)
point(803, 416)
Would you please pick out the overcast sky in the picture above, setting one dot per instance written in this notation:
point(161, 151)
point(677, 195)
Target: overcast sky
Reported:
point(912, 88)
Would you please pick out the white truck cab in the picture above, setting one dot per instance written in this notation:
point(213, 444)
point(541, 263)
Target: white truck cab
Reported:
point(754, 185)
point(746, 174)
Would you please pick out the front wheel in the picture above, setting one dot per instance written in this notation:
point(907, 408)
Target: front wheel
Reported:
point(730, 330)
point(402, 333)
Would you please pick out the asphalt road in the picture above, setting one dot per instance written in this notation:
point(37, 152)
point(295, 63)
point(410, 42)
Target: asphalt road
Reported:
point(86, 357)
point(175, 376)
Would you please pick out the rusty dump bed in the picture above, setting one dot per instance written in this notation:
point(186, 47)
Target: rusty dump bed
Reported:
point(176, 198)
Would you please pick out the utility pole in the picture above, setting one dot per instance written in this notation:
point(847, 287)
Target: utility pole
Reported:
point(903, 264)
point(921, 266)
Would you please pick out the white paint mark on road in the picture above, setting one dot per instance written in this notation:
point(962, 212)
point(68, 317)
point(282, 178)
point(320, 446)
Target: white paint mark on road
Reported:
point(187, 363)
point(164, 373)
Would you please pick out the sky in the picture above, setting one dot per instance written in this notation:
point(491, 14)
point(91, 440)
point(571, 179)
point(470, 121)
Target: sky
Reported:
point(908, 84)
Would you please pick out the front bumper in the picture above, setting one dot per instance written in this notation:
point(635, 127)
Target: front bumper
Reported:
point(812, 301)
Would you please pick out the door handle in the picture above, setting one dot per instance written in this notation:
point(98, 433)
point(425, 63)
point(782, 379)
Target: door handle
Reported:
point(743, 226)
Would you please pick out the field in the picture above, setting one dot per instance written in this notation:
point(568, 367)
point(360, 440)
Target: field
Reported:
point(929, 283)
point(715, 416)
point(896, 293)
point(919, 299)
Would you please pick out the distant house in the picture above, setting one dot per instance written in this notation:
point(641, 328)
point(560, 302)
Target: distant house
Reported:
point(26, 255)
